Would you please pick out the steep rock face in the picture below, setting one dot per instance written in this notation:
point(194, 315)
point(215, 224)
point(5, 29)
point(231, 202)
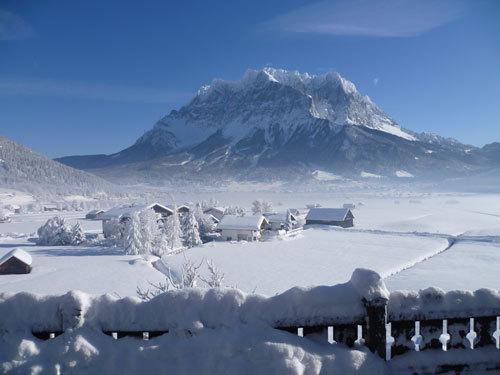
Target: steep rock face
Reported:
point(275, 119)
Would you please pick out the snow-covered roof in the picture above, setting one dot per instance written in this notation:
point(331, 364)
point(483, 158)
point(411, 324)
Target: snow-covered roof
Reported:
point(251, 222)
point(128, 210)
point(20, 254)
point(278, 217)
point(328, 214)
point(95, 212)
point(219, 209)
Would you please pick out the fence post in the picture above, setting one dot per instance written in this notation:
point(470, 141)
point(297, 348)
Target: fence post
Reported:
point(376, 318)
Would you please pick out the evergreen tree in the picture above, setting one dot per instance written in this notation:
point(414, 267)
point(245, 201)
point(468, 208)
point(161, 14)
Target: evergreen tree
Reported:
point(133, 236)
point(190, 231)
point(174, 231)
point(77, 236)
point(149, 229)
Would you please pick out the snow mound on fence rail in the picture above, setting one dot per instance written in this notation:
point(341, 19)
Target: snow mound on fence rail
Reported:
point(192, 309)
point(434, 303)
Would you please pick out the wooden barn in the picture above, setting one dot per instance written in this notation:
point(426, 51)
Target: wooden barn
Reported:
point(14, 262)
point(339, 217)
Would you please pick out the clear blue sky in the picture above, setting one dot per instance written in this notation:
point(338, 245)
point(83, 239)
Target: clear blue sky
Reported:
point(81, 77)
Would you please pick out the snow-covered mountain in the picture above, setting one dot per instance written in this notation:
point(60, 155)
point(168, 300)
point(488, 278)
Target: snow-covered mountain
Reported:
point(23, 169)
point(274, 121)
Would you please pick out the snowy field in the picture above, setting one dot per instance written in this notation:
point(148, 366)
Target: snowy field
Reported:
point(466, 265)
point(316, 257)
point(402, 236)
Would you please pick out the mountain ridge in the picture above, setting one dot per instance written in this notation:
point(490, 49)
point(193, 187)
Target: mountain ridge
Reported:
point(273, 118)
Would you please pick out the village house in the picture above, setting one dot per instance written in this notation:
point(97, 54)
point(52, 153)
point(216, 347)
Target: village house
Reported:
point(16, 261)
point(217, 212)
point(242, 228)
point(340, 217)
point(279, 221)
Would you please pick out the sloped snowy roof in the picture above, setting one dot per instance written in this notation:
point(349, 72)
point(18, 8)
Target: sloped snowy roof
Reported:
point(219, 209)
point(328, 214)
point(278, 217)
point(128, 210)
point(251, 222)
point(95, 212)
point(20, 254)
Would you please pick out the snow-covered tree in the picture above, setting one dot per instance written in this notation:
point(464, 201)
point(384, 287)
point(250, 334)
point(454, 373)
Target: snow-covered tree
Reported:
point(173, 230)
point(256, 207)
point(234, 210)
point(161, 244)
point(77, 235)
point(261, 207)
point(56, 232)
point(132, 241)
point(205, 222)
point(190, 230)
point(149, 230)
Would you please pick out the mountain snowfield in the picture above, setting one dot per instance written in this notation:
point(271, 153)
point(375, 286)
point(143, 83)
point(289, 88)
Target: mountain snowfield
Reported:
point(283, 124)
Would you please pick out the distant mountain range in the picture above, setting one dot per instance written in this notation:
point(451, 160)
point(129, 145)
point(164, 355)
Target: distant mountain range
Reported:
point(23, 169)
point(275, 123)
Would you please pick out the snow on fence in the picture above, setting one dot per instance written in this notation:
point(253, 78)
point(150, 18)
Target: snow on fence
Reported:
point(359, 312)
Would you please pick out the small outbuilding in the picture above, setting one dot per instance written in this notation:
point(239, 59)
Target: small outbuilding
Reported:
point(242, 228)
point(14, 262)
point(339, 217)
point(282, 220)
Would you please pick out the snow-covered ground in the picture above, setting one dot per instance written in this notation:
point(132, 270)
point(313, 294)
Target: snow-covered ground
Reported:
point(319, 256)
point(466, 266)
point(94, 270)
point(396, 233)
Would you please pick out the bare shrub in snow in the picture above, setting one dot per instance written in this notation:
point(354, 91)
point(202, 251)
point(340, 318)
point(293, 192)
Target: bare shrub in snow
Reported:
point(215, 276)
point(261, 207)
point(234, 210)
point(56, 232)
point(188, 278)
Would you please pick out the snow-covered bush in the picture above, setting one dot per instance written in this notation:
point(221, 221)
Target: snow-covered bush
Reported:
point(56, 232)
